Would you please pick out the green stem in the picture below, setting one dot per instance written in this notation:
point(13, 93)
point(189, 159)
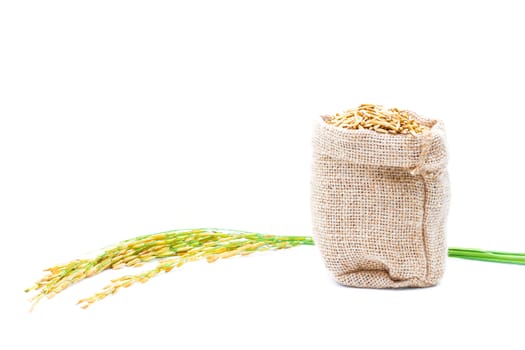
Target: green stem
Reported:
point(486, 255)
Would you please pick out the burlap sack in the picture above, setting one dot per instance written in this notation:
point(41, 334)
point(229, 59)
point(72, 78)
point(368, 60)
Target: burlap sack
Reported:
point(379, 205)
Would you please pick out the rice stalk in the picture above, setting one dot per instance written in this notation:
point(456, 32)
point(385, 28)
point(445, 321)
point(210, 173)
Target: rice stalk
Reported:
point(487, 255)
point(171, 249)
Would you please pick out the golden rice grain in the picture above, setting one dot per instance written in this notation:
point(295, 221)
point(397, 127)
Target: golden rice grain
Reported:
point(377, 118)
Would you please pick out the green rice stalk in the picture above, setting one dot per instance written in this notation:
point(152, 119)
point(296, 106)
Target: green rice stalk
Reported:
point(487, 255)
point(171, 249)
point(175, 248)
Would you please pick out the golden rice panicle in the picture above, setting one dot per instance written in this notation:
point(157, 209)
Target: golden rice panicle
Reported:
point(379, 119)
point(171, 249)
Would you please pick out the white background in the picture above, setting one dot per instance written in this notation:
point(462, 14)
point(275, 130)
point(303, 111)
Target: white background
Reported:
point(123, 118)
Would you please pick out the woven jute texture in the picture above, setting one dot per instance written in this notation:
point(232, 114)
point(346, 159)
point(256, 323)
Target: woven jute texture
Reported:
point(379, 205)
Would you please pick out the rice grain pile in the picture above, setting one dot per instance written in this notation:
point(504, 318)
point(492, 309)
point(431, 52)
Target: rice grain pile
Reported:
point(378, 118)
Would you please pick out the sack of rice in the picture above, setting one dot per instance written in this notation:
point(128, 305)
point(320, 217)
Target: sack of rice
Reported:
point(380, 197)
